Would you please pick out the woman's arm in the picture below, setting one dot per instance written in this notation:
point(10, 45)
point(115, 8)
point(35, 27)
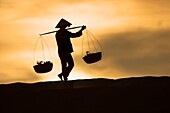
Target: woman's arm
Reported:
point(79, 33)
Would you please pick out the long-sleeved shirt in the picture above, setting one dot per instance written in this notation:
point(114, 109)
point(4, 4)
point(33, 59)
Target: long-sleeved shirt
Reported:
point(64, 42)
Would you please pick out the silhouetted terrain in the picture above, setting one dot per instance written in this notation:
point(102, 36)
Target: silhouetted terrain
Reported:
point(130, 95)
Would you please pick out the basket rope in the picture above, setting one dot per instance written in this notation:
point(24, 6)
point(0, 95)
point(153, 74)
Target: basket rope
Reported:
point(42, 46)
point(97, 41)
point(90, 39)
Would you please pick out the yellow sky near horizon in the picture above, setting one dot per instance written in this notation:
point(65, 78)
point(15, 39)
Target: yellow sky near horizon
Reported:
point(130, 20)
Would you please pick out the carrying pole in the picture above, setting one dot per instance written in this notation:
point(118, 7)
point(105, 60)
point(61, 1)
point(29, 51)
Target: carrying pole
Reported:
point(57, 30)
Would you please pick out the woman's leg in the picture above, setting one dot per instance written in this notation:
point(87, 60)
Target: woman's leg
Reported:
point(70, 64)
point(63, 65)
point(67, 65)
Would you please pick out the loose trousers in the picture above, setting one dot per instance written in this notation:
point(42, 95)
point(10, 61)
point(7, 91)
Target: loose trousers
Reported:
point(67, 63)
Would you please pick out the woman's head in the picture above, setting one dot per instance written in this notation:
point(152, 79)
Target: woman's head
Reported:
point(63, 24)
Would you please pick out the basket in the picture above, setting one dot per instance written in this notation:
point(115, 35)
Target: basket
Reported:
point(92, 57)
point(43, 67)
point(94, 49)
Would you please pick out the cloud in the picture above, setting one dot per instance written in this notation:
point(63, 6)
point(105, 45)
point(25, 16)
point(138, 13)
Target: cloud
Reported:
point(127, 53)
point(17, 71)
point(135, 53)
point(27, 9)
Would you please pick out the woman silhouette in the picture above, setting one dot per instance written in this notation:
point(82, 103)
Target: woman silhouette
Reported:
point(65, 47)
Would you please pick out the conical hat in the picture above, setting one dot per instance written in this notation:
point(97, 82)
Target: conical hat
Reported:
point(63, 22)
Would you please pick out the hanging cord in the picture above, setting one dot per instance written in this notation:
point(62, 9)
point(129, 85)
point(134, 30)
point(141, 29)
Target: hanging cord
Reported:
point(97, 42)
point(82, 45)
point(48, 48)
point(88, 40)
point(42, 44)
point(35, 49)
point(90, 37)
point(92, 40)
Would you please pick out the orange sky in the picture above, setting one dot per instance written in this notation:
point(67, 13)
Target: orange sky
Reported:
point(134, 35)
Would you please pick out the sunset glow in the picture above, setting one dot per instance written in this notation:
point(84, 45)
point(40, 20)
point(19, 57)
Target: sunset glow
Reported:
point(134, 35)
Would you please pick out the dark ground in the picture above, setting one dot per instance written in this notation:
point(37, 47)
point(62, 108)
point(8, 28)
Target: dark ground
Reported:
point(130, 95)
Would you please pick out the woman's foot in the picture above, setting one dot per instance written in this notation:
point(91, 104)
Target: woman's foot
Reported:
point(65, 79)
point(60, 76)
